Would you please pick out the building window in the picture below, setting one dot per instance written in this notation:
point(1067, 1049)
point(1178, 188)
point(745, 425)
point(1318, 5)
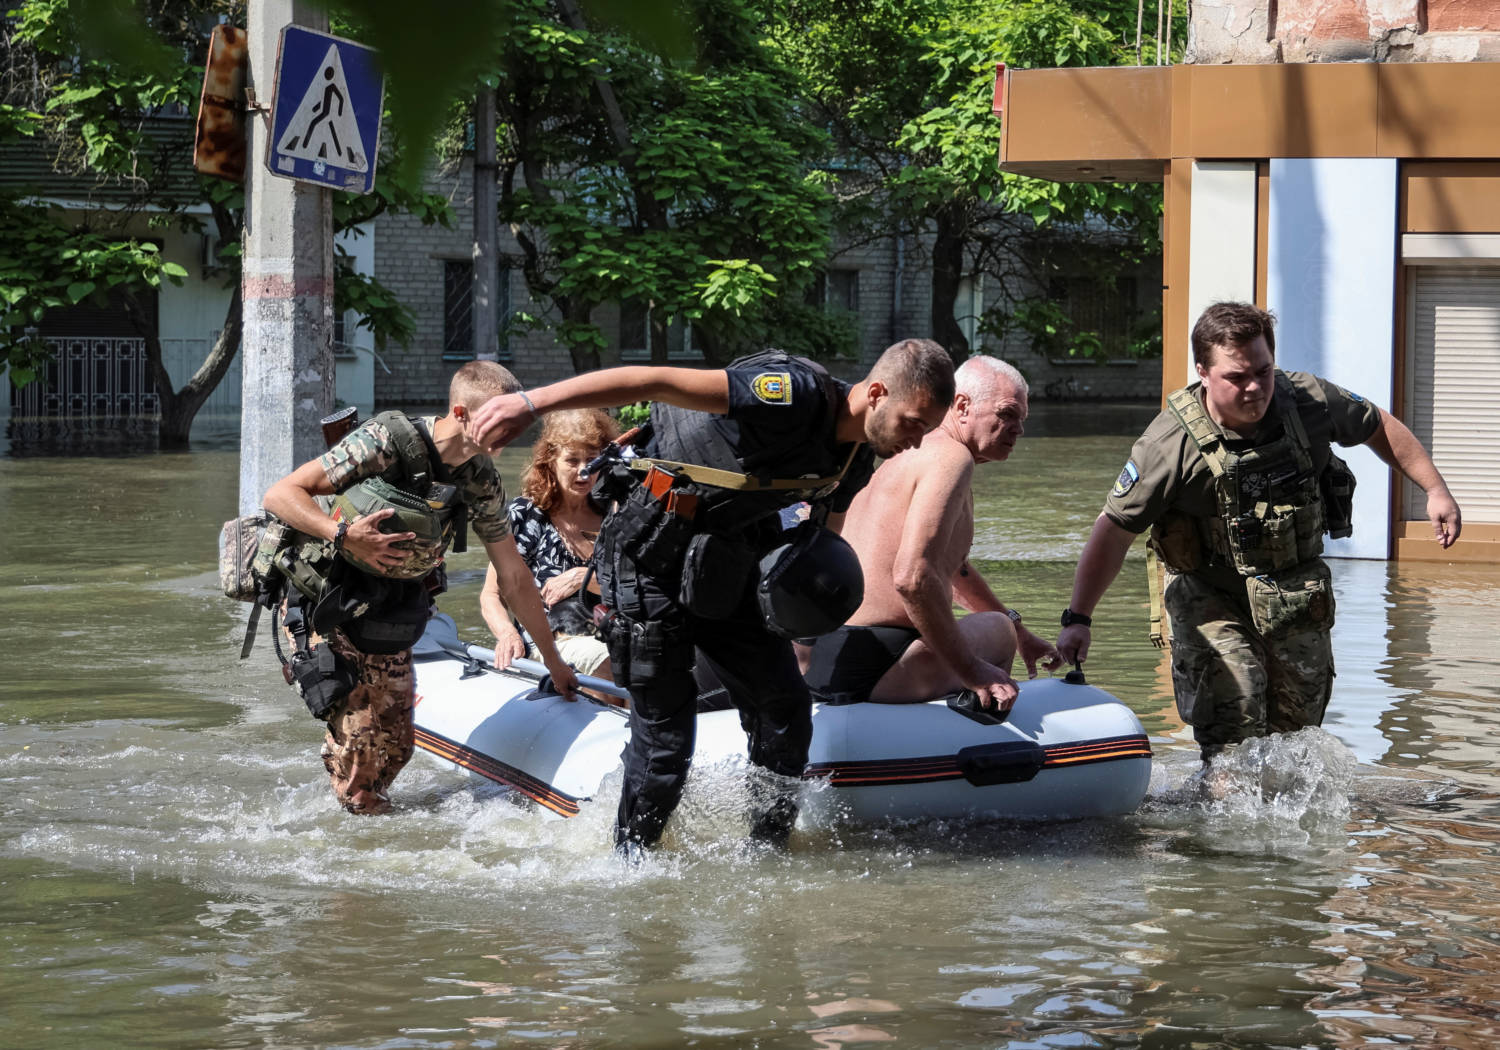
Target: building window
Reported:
point(968, 307)
point(634, 331)
point(458, 311)
point(641, 331)
point(1102, 307)
point(341, 346)
point(835, 291)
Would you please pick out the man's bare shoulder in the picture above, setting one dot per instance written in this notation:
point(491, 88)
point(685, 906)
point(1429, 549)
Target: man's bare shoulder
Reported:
point(941, 459)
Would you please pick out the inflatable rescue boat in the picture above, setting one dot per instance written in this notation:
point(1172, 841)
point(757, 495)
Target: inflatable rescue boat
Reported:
point(1066, 750)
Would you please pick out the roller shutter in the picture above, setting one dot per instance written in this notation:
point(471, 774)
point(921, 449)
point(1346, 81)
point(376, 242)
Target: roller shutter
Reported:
point(1453, 384)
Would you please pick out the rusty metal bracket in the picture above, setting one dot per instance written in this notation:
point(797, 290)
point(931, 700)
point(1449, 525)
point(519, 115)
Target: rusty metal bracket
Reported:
point(254, 105)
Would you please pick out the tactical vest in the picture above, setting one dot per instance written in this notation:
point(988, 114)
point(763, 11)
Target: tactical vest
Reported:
point(1271, 511)
point(778, 474)
point(432, 511)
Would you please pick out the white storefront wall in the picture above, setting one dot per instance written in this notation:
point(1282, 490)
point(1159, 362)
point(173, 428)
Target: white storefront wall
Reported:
point(1331, 276)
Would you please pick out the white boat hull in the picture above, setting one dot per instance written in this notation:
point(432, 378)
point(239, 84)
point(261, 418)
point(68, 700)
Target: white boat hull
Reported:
point(1066, 751)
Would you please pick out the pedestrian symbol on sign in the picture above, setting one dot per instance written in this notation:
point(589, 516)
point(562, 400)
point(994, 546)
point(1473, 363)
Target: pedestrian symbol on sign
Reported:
point(323, 128)
point(325, 121)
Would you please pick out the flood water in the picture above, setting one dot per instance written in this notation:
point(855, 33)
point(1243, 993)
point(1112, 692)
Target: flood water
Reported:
point(175, 873)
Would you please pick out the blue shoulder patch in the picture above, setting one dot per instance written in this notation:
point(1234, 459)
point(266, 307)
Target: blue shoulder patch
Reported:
point(1127, 479)
point(1354, 397)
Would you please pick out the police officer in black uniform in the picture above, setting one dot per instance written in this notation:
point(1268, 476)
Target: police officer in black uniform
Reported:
point(696, 557)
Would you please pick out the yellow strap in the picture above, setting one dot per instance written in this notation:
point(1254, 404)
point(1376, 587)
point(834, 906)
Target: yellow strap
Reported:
point(728, 479)
point(1195, 420)
point(1153, 587)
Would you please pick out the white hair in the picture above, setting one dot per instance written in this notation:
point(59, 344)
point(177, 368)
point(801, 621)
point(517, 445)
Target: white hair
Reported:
point(981, 374)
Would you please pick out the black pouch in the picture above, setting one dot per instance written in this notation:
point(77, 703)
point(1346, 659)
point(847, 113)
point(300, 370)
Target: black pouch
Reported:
point(1336, 485)
point(715, 573)
point(662, 552)
point(635, 520)
point(321, 677)
point(394, 625)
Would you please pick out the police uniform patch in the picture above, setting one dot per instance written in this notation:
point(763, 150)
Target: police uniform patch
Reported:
point(774, 388)
point(1127, 479)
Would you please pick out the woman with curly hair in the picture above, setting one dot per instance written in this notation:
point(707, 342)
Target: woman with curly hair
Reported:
point(555, 525)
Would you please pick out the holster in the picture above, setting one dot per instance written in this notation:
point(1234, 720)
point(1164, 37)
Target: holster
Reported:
point(321, 677)
point(642, 650)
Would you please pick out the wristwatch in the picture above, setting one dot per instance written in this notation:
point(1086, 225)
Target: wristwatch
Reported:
point(338, 536)
point(1069, 618)
point(1015, 617)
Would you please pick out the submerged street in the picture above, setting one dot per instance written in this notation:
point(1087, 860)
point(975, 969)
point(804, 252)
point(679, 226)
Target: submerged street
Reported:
point(174, 872)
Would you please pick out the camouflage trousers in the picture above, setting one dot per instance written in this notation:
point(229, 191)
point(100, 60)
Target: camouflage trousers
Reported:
point(370, 735)
point(1233, 681)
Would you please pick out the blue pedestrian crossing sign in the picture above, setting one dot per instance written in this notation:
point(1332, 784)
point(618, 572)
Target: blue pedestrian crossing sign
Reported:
point(325, 119)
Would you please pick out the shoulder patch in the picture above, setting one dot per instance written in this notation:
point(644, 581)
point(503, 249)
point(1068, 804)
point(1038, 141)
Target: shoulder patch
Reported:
point(774, 388)
point(1127, 479)
point(1354, 397)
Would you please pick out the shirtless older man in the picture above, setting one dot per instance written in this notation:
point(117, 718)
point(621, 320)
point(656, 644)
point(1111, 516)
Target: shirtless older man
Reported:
point(904, 645)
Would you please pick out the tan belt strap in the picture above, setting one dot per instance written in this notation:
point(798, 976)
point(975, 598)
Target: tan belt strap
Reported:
point(1153, 587)
point(728, 479)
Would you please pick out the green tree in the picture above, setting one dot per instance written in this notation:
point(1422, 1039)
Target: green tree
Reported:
point(90, 109)
point(906, 86)
point(632, 177)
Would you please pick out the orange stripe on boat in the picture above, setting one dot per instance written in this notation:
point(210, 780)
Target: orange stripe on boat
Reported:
point(461, 755)
point(937, 768)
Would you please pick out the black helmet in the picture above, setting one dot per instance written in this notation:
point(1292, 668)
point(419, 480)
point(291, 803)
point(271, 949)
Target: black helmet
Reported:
point(811, 585)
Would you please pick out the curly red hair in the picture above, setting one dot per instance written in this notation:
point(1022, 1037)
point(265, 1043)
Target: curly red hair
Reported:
point(585, 428)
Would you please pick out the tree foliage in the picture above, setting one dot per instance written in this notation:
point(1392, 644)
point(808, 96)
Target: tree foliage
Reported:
point(906, 86)
point(111, 98)
point(632, 177)
point(692, 155)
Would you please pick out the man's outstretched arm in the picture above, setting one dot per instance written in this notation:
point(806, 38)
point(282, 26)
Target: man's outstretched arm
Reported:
point(502, 418)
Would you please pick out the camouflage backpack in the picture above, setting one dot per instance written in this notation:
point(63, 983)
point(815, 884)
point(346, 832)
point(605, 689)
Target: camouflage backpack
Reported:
point(246, 548)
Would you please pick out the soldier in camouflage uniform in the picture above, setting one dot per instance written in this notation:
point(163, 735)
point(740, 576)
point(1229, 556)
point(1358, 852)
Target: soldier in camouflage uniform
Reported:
point(1237, 482)
point(379, 574)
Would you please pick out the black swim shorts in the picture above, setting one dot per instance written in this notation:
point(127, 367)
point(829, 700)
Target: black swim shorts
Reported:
point(847, 664)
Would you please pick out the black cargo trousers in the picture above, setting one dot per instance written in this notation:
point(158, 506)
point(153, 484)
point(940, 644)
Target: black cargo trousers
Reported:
point(653, 642)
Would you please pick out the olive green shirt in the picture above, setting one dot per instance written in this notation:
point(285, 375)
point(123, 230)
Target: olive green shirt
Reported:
point(1166, 471)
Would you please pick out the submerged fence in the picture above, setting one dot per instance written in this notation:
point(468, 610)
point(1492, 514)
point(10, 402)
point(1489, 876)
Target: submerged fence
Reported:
point(101, 378)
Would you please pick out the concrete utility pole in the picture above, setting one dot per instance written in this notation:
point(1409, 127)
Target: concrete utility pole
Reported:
point(486, 237)
point(287, 282)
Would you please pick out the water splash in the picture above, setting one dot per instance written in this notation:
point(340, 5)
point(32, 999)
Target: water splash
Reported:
point(1276, 794)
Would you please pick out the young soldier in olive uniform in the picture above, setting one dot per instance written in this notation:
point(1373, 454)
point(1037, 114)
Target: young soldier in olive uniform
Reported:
point(361, 589)
point(678, 556)
point(1237, 481)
